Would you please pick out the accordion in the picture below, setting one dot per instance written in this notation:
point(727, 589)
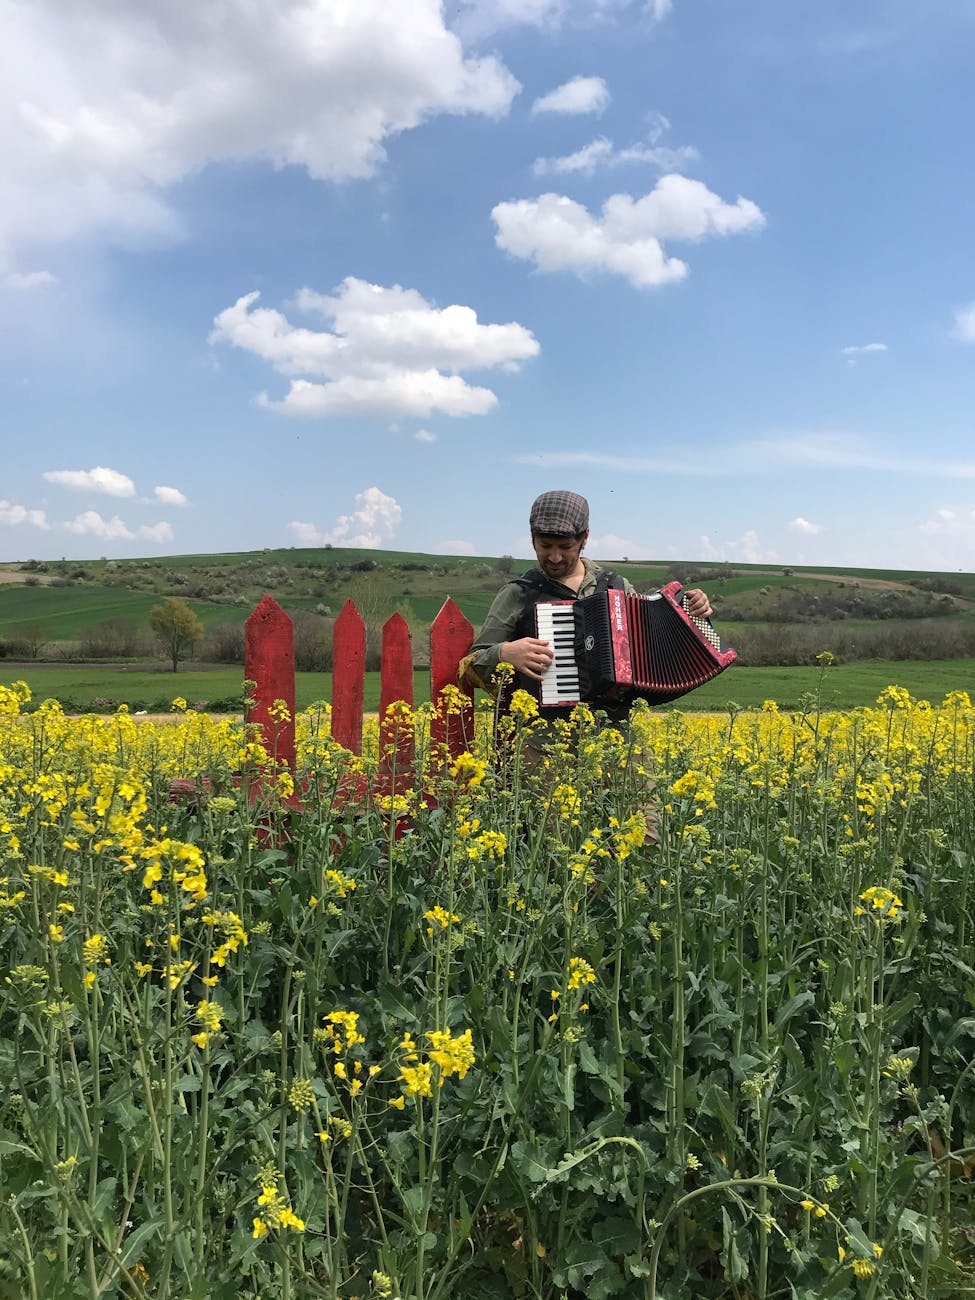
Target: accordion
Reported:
point(613, 648)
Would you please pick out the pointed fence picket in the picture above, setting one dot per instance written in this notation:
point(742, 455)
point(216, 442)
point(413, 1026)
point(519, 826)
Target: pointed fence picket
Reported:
point(269, 670)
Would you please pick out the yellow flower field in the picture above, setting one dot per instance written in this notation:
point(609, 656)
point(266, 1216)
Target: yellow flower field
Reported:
point(686, 1011)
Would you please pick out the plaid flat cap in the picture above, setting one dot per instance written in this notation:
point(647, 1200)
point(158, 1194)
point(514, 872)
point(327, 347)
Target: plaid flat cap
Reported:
point(559, 514)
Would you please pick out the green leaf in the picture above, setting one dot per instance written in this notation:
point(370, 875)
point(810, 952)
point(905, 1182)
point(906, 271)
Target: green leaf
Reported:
point(412, 1198)
point(901, 1008)
point(137, 1238)
point(532, 1161)
point(10, 1146)
point(794, 1004)
point(735, 1264)
point(616, 1235)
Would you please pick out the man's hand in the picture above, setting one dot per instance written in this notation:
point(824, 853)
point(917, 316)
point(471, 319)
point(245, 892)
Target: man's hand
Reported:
point(697, 603)
point(528, 655)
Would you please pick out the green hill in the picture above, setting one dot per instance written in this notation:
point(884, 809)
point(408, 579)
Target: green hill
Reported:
point(55, 607)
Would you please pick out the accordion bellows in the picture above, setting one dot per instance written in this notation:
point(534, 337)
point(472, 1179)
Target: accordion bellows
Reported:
point(613, 647)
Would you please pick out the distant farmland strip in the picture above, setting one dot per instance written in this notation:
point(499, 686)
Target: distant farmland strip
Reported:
point(68, 612)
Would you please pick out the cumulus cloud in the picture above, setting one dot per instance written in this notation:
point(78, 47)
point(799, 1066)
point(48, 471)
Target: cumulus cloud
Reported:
point(580, 95)
point(91, 524)
point(747, 549)
point(480, 18)
point(948, 538)
point(390, 353)
point(13, 516)
point(107, 482)
point(372, 523)
point(424, 435)
point(25, 281)
point(103, 106)
point(455, 547)
point(558, 234)
point(161, 532)
point(612, 546)
point(804, 526)
point(964, 328)
point(169, 496)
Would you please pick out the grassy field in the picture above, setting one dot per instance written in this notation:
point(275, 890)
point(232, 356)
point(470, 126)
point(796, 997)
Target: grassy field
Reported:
point(64, 614)
point(101, 689)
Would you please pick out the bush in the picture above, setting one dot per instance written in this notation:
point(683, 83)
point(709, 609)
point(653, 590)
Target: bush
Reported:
point(785, 645)
point(114, 638)
point(224, 643)
point(313, 642)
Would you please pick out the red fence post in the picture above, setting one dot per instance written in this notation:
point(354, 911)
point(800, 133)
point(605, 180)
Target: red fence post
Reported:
point(396, 741)
point(348, 678)
point(452, 725)
point(269, 663)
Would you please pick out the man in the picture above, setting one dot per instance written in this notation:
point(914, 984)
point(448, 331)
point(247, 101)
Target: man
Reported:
point(559, 523)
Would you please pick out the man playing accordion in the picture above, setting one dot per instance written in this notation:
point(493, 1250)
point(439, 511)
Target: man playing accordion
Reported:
point(559, 523)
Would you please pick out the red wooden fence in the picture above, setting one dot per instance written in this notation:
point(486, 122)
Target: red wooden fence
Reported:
point(269, 669)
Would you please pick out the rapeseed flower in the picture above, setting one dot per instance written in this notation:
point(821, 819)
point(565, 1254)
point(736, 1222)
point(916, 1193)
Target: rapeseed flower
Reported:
point(881, 900)
point(580, 973)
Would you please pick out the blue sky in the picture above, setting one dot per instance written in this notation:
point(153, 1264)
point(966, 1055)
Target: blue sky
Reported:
point(288, 272)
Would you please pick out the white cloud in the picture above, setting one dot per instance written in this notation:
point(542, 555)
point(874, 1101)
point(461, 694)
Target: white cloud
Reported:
point(91, 524)
point(373, 523)
point(747, 549)
point(387, 356)
point(108, 482)
point(580, 95)
point(803, 451)
point(161, 532)
point(601, 152)
point(417, 393)
point(455, 547)
point(558, 234)
point(804, 526)
point(861, 349)
point(965, 323)
point(424, 435)
point(480, 18)
point(12, 516)
point(948, 538)
point(25, 281)
point(613, 547)
point(104, 105)
point(169, 496)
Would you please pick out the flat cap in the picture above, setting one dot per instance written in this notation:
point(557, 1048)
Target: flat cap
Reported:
point(559, 514)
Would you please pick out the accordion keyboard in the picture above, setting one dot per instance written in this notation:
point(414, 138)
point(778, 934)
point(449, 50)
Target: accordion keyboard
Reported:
point(556, 625)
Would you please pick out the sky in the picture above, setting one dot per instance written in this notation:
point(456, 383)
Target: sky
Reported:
point(375, 273)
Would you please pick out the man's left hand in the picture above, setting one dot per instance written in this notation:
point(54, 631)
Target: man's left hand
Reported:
point(698, 603)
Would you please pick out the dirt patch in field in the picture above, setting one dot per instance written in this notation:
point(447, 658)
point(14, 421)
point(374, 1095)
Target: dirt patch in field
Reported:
point(881, 584)
point(874, 584)
point(11, 575)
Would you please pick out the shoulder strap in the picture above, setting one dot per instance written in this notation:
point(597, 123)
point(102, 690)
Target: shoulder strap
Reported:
point(609, 580)
point(533, 580)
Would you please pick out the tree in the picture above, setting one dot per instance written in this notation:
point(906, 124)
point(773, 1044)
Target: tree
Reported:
point(176, 627)
point(32, 637)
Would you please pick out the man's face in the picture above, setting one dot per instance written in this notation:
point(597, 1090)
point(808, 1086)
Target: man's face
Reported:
point(558, 556)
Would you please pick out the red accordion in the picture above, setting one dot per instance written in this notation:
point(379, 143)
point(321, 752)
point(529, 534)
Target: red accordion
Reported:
point(613, 647)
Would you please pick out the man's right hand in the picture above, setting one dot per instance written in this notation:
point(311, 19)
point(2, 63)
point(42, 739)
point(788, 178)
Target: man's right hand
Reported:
point(528, 655)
